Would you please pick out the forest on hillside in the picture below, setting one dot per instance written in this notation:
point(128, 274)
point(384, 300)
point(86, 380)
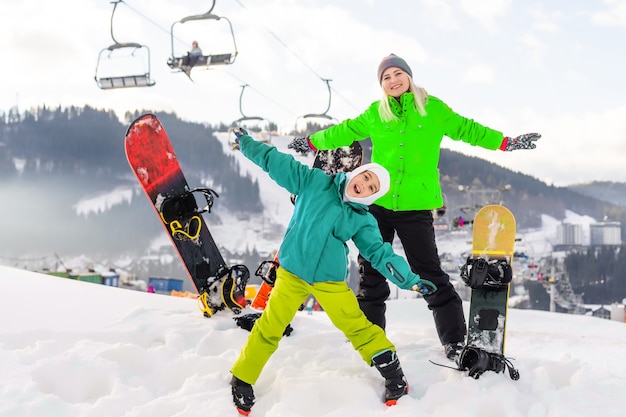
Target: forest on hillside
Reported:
point(89, 142)
point(599, 273)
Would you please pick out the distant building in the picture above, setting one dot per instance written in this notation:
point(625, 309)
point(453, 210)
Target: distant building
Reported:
point(569, 234)
point(618, 313)
point(606, 233)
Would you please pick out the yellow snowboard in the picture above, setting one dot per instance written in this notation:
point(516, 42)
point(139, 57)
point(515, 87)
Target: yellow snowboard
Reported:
point(493, 245)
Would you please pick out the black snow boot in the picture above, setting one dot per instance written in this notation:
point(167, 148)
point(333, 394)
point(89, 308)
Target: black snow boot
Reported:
point(452, 350)
point(396, 386)
point(243, 395)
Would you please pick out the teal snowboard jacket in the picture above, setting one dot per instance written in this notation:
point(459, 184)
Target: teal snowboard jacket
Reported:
point(410, 147)
point(314, 246)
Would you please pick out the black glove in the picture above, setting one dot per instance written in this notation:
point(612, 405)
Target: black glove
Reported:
point(300, 144)
point(524, 141)
point(239, 132)
point(247, 321)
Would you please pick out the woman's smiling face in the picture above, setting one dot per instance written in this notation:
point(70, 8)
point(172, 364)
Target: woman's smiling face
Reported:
point(395, 82)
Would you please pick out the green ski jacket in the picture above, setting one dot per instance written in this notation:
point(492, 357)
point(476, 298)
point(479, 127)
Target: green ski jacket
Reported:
point(410, 147)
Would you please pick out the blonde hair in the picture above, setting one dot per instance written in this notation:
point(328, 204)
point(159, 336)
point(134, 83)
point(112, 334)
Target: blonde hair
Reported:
point(420, 99)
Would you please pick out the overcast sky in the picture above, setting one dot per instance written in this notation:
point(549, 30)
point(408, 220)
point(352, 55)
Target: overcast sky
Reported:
point(518, 66)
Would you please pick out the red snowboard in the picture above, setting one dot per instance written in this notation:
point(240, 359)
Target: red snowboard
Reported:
point(152, 159)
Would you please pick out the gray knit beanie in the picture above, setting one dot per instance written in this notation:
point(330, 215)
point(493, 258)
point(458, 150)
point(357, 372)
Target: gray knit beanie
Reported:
point(393, 61)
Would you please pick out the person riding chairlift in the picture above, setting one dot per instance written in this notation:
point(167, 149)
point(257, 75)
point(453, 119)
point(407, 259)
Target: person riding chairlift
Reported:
point(193, 56)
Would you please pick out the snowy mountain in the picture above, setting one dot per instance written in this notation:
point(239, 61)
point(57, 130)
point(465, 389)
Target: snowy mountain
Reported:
point(614, 192)
point(70, 348)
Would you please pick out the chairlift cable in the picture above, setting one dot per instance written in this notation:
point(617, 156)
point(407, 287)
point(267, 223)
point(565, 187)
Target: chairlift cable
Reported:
point(275, 36)
point(345, 99)
point(161, 28)
point(268, 98)
point(145, 17)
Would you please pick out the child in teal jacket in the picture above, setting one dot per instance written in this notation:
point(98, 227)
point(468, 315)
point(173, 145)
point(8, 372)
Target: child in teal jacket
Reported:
point(329, 211)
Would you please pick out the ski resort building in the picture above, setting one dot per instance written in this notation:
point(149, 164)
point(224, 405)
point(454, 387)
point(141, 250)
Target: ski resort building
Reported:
point(569, 235)
point(606, 233)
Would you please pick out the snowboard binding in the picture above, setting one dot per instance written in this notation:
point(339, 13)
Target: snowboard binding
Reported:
point(181, 213)
point(495, 274)
point(227, 290)
point(267, 272)
point(477, 361)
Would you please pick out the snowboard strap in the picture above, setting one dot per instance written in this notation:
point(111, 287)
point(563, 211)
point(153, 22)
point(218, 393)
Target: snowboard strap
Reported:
point(234, 288)
point(182, 215)
point(480, 273)
point(183, 206)
point(189, 229)
point(226, 290)
point(267, 272)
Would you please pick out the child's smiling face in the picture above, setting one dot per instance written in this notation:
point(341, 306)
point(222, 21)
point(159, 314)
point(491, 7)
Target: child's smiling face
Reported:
point(363, 185)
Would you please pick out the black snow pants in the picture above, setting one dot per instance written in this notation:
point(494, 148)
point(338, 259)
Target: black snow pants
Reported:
point(417, 235)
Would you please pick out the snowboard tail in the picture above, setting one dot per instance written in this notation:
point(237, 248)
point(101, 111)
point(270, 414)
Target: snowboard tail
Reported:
point(152, 158)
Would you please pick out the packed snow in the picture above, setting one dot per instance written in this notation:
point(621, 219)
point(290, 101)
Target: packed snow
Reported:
point(71, 348)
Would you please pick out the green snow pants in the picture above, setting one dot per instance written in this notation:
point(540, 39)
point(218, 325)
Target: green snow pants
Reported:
point(289, 292)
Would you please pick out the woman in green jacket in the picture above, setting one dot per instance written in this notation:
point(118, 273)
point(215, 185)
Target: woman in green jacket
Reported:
point(329, 211)
point(406, 128)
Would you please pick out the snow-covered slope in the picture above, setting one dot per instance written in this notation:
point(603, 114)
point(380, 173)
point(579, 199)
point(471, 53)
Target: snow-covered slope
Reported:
point(70, 348)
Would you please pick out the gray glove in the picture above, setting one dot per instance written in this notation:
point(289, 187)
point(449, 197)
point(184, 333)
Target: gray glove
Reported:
point(300, 145)
point(524, 141)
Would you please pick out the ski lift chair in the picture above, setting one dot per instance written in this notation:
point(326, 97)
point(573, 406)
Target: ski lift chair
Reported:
point(324, 115)
point(241, 122)
point(108, 82)
point(123, 81)
point(207, 61)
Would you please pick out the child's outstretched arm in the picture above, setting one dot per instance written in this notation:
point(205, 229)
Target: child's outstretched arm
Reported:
point(282, 168)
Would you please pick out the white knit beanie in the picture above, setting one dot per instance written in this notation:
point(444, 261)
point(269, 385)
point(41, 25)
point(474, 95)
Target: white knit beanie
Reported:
point(383, 178)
